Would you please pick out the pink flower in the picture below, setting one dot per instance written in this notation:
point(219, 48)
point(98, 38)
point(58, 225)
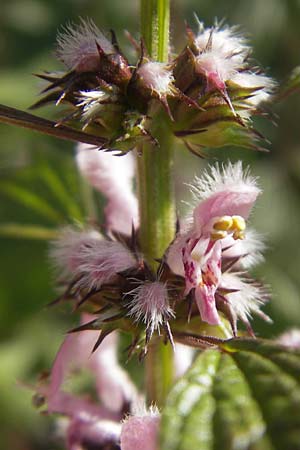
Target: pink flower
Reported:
point(222, 54)
point(77, 46)
point(157, 76)
point(222, 59)
point(214, 243)
point(112, 176)
point(149, 304)
point(90, 259)
point(140, 432)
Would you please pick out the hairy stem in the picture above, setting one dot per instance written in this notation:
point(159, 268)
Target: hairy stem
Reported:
point(156, 192)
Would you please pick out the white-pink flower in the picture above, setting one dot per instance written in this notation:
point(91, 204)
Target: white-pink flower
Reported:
point(149, 303)
point(215, 243)
point(141, 431)
point(157, 76)
point(222, 54)
point(222, 58)
point(88, 258)
point(77, 46)
point(113, 176)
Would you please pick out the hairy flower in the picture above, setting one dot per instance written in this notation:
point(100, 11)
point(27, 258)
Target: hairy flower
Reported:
point(222, 58)
point(157, 76)
point(90, 259)
point(77, 46)
point(140, 432)
point(66, 250)
point(210, 253)
point(222, 54)
point(149, 304)
point(113, 177)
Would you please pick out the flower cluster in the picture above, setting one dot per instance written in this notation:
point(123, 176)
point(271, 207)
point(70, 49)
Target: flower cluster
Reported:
point(200, 287)
point(202, 277)
point(209, 91)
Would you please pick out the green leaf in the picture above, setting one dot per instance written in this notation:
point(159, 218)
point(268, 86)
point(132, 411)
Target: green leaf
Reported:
point(30, 200)
point(58, 189)
point(244, 397)
point(26, 231)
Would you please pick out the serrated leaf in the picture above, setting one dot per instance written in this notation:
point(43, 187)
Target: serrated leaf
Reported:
point(245, 397)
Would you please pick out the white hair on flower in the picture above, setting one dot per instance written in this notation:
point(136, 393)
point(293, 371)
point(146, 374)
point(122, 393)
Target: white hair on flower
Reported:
point(102, 261)
point(265, 86)
point(150, 304)
point(76, 45)
point(249, 250)
point(247, 299)
point(228, 42)
point(66, 250)
point(158, 76)
point(221, 178)
point(222, 54)
point(139, 408)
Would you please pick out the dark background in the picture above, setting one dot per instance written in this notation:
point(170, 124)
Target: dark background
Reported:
point(39, 184)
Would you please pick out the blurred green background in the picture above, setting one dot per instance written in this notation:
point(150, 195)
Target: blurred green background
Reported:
point(39, 184)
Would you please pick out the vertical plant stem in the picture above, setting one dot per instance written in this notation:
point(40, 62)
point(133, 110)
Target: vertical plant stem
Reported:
point(156, 191)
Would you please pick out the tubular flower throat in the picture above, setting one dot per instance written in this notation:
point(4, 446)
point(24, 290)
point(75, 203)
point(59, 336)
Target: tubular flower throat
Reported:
point(209, 91)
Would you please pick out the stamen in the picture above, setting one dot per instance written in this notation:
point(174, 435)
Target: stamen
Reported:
point(238, 223)
point(216, 235)
point(234, 225)
point(223, 223)
point(238, 235)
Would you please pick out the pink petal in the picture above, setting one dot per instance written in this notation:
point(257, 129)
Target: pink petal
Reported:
point(205, 291)
point(140, 433)
point(112, 176)
point(113, 384)
point(227, 202)
point(205, 299)
point(174, 255)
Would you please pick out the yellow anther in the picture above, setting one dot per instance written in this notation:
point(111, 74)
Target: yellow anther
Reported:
point(238, 223)
point(220, 234)
point(238, 235)
point(223, 223)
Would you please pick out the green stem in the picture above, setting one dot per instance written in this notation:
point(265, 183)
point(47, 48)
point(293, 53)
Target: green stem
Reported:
point(156, 192)
point(155, 25)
